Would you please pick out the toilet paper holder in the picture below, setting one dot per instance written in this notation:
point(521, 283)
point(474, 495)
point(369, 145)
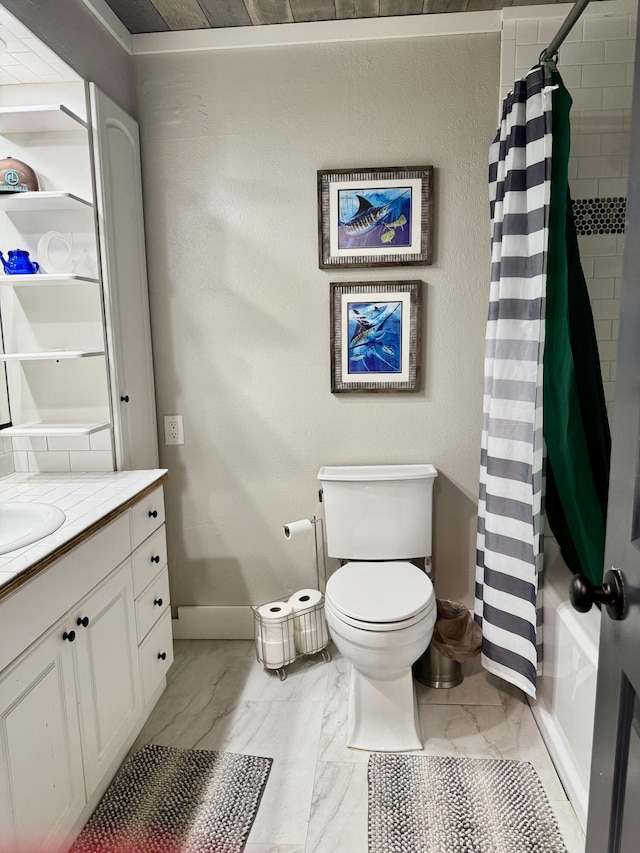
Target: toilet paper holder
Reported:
point(280, 640)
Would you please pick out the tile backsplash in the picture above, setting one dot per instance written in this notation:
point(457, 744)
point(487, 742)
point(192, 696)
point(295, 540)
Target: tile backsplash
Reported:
point(597, 64)
point(63, 453)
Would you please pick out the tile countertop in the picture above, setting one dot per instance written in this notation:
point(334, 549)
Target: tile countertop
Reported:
point(88, 500)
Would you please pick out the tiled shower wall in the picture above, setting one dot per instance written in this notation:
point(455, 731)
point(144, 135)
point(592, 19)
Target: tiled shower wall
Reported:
point(596, 64)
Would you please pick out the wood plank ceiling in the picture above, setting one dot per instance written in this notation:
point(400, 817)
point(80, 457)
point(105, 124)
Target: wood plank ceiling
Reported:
point(154, 16)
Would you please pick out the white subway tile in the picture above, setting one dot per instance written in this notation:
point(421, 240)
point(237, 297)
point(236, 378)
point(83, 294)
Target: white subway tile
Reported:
point(508, 63)
point(610, 27)
point(609, 391)
point(601, 288)
point(48, 461)
point(600, 167)
point(605, 370)
point(6, 464)
point(527, 32)
point(586, 145)
point(613, 143)
point(41, 50)
point(584, 189)
point(587, 99)
point(100, 440)
point(614, 329)
point(24, 75)
point(30, 443)
point(613, 370)
point(605, 309)
point(21, 461)
point(626, 120)
point(598, 245)
point(617, 290)
point(630, 74)
point(608, 350)
point(604, 75)
point(527, 54)
point(582, 53)
point(572, 168)
point(607, 266)
point(509, 30)
point(572, 76)
point(91, 460)
point(620, 50)
point(612, 187)
point(617, 98)
point(599, 121)
point(8, 79)
point(620, 244)
point(34, 63)
point(68, 442)
point(550, 26)
point(587, 266)
point(603, 329)
point(625, 166)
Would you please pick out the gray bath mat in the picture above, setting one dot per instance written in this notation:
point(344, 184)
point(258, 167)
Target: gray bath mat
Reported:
point(166, 800)
point(426, 804)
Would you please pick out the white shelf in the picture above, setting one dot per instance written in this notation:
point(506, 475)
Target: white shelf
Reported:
point(56, 355)
point(34, 201)
point(39, 119)
point(38, 279)
point(39, 428)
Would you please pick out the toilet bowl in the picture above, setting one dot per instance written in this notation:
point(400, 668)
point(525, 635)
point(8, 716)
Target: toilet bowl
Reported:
point(381, 617)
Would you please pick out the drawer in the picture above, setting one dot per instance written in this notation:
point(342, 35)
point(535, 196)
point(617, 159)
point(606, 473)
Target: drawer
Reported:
point(151, 603)
point(146, 516)
point(147, 559)
point(153, 665)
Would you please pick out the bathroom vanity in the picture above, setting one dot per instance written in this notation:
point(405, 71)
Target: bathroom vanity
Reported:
point(85, 645)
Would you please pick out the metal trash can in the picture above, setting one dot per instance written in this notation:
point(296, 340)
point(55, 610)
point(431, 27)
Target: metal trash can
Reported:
point(433, 669)
point(456, 638)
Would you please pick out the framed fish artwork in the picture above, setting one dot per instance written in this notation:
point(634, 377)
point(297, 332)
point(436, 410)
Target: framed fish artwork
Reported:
point(375, 217)
point(376, 336)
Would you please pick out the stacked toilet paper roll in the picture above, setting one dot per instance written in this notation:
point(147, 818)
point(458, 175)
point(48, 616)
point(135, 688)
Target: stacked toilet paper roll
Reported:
point(274, 635)
point(309, 625)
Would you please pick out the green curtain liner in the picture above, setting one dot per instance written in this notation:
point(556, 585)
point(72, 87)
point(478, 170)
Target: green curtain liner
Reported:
point(576, 429)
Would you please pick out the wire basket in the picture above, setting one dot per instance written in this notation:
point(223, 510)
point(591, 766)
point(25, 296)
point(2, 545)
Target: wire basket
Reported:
point(280, 641)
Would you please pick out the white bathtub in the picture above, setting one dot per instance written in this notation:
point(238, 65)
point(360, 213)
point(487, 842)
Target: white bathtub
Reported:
point(564, 709)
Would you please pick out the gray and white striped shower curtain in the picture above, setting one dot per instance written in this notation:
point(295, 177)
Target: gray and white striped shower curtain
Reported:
point(509, 542)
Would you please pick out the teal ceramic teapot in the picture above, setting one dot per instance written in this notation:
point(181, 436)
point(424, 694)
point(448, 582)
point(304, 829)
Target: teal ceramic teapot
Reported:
point(19, 263)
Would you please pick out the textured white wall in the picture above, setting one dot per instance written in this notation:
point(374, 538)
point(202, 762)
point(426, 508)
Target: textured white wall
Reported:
point(232, 142)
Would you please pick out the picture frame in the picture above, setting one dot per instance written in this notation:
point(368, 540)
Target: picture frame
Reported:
point(375, 217)
point(375, 336)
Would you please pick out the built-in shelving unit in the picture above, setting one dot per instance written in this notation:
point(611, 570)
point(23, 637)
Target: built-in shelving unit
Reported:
point(39, 119)
point(43, 279)
point(52, 355)
point(35, 429)
point(29, 202)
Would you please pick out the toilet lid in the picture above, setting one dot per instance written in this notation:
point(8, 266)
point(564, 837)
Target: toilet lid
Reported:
point(379, 592)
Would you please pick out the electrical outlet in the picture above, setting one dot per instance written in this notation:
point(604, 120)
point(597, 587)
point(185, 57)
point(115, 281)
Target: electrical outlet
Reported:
point(173, 431)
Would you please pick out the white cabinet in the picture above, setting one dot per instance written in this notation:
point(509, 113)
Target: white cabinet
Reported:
point(42, 788)
point(76, 336)
point(84, 651)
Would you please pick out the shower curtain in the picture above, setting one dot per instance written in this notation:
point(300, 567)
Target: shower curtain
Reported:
point(509, 542)
point(542, 383)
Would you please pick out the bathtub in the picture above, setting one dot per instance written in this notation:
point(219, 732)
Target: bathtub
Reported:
point(565, 704)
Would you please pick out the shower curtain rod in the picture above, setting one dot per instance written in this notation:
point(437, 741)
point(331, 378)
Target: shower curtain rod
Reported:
point(567, 25)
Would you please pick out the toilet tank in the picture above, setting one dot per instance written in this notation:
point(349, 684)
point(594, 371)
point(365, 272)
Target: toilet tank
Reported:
point(378, 512)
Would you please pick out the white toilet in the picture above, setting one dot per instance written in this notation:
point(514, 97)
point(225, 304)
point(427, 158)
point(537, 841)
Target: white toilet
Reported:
point(380, 608)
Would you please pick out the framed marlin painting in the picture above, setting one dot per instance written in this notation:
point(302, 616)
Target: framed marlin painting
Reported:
point(375, 217)
point(375, 336)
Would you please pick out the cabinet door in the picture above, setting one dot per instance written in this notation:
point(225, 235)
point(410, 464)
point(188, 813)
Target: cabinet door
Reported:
point(106, 656)
point(42, 789)
point(124, 274)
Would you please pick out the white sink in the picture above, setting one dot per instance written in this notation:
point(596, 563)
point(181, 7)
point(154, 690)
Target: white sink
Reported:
point(24, 523)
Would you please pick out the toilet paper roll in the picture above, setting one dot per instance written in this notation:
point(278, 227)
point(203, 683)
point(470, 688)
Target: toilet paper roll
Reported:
point(274, 637)
point(314, 639)
point(309, 624)
point(304, 598)
point(292, 529)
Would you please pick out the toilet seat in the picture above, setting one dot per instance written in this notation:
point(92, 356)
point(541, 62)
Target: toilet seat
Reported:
point(382, 596)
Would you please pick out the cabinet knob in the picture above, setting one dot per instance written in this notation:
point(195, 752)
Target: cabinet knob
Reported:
point(124, 398)
point(155, 559)
point(153, 513)
point(69, 635)
point(84, 621)
point(158, 601)
point(162, 655)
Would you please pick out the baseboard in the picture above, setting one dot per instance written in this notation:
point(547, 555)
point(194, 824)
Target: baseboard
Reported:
point(223, 622)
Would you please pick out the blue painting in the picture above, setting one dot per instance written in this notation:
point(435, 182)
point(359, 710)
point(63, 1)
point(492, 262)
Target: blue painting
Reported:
point(375, 337)
point(374, 218)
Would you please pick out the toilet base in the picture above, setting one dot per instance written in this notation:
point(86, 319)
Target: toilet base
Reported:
point(383, 714)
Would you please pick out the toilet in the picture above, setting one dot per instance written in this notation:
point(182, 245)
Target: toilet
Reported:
point(380, 608)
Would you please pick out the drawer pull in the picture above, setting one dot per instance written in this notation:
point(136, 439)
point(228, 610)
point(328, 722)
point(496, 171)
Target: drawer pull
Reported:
point(158, 601)
point(84, 621)
point(155, 559)
point(69, 635)
point(162, 655)
point(153, 513)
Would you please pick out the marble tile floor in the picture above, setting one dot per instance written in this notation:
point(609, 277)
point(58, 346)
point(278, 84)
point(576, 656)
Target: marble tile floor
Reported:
point(218, 697)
